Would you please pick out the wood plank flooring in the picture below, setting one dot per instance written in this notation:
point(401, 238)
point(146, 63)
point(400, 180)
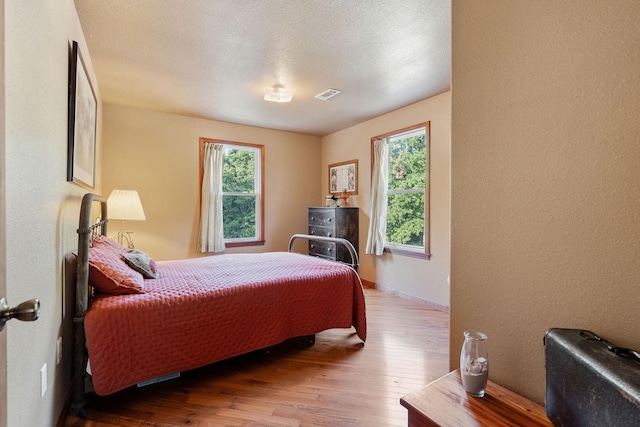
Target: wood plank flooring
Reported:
point(337, 382)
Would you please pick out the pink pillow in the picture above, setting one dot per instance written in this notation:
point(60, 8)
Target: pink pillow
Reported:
point(108, 273)
point(106, 242)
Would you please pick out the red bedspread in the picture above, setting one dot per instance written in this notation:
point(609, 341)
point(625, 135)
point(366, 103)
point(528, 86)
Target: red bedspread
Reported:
point(203, 310)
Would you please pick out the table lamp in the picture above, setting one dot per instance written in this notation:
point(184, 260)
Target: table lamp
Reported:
point(125, 205)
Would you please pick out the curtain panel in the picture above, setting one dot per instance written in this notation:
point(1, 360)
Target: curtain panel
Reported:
point(379, 181)
point(211, 236)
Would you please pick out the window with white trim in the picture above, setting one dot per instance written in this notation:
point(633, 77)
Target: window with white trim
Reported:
point(242, 192)
point(407, 208)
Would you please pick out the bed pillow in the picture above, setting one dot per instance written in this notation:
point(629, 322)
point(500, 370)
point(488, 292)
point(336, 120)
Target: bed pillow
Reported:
point(107, 243)
point(108, 273)
point(142, 263)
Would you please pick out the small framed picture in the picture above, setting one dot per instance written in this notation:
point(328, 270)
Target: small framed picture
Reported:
point(81, 145)
point(343, 177)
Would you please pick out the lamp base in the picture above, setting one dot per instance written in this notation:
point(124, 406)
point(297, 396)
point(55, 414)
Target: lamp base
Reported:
point(124, 238)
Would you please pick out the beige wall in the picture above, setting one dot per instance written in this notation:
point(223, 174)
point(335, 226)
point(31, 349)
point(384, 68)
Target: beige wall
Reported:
point(545, 177)
point(420, 279)
point(41, 206)
point(157, 154)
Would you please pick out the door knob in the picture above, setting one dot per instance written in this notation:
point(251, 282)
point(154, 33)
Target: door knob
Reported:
point(27, 311)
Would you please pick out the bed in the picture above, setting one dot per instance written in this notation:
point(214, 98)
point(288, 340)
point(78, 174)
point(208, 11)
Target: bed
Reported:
point(198, 311)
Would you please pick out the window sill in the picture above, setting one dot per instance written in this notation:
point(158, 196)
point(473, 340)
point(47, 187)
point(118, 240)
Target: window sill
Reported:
point(404, 252)
point(241, 244)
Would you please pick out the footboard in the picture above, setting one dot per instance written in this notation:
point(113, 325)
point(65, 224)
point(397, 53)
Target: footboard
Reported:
point(338, 241)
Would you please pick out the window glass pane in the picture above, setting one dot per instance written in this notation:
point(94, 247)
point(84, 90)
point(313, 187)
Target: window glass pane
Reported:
point(239, 213)
point(406, 189)
point(238, 173)
point(405, 219)
point(407, 163)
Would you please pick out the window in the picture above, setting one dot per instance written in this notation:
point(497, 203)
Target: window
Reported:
point(407, 201)
point(242, 192)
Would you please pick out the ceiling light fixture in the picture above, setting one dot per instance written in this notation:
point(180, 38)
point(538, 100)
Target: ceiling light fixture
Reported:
point(329, 93)
point(278, 94)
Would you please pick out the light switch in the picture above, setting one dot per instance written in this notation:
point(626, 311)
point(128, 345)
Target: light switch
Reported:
point(43, 380)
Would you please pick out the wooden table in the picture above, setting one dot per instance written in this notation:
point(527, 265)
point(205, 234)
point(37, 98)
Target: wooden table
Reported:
point(445, 403)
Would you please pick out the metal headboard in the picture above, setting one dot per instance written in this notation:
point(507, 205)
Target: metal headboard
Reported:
point(86, 231)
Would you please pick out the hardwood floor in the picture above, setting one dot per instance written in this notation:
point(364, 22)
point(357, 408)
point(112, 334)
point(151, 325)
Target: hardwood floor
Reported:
point(337, 382)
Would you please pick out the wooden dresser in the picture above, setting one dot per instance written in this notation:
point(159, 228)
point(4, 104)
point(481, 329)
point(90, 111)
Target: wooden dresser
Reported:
point(445, 403)
point(333, 222)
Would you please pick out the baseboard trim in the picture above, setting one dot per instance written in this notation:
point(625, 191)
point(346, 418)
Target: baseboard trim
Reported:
point(403, 295)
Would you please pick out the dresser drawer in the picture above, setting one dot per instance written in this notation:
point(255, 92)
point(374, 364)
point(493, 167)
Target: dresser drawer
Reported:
point(316, 230)
point(323, 217)
point(323, 249)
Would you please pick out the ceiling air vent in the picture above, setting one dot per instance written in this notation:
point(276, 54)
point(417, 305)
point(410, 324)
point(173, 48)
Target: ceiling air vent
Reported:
point(329, 93)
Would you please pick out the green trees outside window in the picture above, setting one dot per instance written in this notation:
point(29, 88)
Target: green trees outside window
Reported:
point(407, 184)
point(239, 193)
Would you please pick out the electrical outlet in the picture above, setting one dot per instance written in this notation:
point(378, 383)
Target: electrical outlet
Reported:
point(43, 380)
point(59, 351)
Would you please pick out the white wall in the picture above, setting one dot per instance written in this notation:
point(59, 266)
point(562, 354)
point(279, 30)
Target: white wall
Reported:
point(41, 206)
point(545, 177)
point(157, 155)
point(420, 279)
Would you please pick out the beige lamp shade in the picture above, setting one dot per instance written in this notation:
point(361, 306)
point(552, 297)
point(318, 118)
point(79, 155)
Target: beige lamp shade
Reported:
point(125, 205)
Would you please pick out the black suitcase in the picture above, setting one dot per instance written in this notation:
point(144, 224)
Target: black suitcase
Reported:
point(589, 381)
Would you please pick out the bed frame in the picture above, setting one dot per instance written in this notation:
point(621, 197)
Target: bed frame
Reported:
point(338, 241)
point(86, 232)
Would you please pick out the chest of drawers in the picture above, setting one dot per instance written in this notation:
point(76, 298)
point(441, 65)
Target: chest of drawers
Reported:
point(333, 222)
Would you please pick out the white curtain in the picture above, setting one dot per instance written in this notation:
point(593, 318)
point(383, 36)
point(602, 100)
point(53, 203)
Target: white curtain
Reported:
point(211, 237)
point(379, 178)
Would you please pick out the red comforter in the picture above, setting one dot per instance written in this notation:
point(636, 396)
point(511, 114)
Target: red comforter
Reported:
point(203, 310)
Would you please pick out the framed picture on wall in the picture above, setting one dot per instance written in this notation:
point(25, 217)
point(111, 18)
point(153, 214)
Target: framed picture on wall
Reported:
point(81, 146)
point(343, 177)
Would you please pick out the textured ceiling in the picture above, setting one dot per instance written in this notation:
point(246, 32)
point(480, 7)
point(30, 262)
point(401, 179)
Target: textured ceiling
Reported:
point(214, 58)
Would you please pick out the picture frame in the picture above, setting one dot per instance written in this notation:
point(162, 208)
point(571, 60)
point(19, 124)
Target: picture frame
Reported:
point(343, 177)
point(82, 118)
